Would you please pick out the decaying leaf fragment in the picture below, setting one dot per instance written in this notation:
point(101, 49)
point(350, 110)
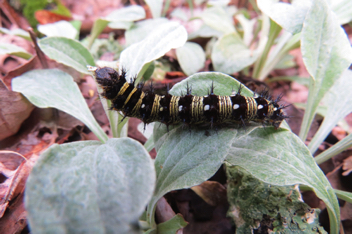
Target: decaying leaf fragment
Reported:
point(15, 108)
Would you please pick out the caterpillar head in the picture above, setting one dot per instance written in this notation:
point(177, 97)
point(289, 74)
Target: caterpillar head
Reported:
point(107, 76)
point(110, 81)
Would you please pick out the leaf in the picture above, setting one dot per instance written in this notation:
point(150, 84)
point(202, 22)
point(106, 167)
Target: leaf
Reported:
point(89, 187)
point(212, 192)
point(180, 14)
point(121, 19)
point(14, 110)
point(142, 29)
point(340, 146)
point(151, 231)
point(149, 144)
point(204, 31)
point(171, 226)
point(191, 57)
point(155, 7)
point(286, 62)
point(343, 10)
point(230, 54)
point(284, 44)
point(288, 16)
point(149, 72)
point(98, 27)
point(58, 29)
point(126, 14)
point(77, 24)
point(201, 83)
point(49, 16)
point(17, 32)
point(220, 3)
point(326, 54)
point(120, 25)
point(6, 48)
point(346, 196)
point(185, 160)
point(279, 157)
point(54, 88)
point(61, 10)
point(15, 169)
point(338, 103)
point(217, 18)
point(167, 36)
point(247, 27)
point(146, 129)
point(68, 52)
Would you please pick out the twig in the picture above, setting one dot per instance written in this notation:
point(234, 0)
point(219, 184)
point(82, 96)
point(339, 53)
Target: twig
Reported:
point(39, 52)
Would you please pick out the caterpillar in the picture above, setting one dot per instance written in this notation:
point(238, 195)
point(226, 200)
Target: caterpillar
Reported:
point(188, 109)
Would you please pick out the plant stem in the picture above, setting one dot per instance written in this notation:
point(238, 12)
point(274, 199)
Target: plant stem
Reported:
point(274, 31)
point(340, 146)
point(286, 44)
point(309, 113)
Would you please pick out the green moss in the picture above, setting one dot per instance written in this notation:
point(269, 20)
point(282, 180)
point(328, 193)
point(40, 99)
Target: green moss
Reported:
point(29, 7)
point(267, 208)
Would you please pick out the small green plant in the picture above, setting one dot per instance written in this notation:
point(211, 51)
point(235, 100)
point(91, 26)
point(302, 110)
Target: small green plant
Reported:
point(93, 186)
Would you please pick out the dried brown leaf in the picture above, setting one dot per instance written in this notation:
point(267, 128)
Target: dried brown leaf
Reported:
point(15, 169)
point(347, 166)
point(32, 64)
point(48, 17)
point(14, 110)
point(11, 169)
point(211, 192)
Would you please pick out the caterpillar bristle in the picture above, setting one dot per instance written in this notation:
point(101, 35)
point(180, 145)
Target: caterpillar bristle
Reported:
point(212, 88)
point(189, 90)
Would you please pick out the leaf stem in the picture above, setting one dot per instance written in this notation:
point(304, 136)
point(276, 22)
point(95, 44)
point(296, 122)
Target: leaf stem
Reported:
point(274, 31)
point(310, 111)
point(286, 43)
point(334, 150)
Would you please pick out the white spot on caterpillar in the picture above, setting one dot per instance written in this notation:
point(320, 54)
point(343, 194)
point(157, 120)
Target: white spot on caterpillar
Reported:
point(206, 107)
point(206, 96)
point(142, 106)
point(180, 108)
point(236, 106)
point(161, 109)
point(260, 107)
point(255, 95)
point(275, 109)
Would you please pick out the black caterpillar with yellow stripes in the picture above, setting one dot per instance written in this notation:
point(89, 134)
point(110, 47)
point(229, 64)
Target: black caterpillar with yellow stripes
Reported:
point(188, 109)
